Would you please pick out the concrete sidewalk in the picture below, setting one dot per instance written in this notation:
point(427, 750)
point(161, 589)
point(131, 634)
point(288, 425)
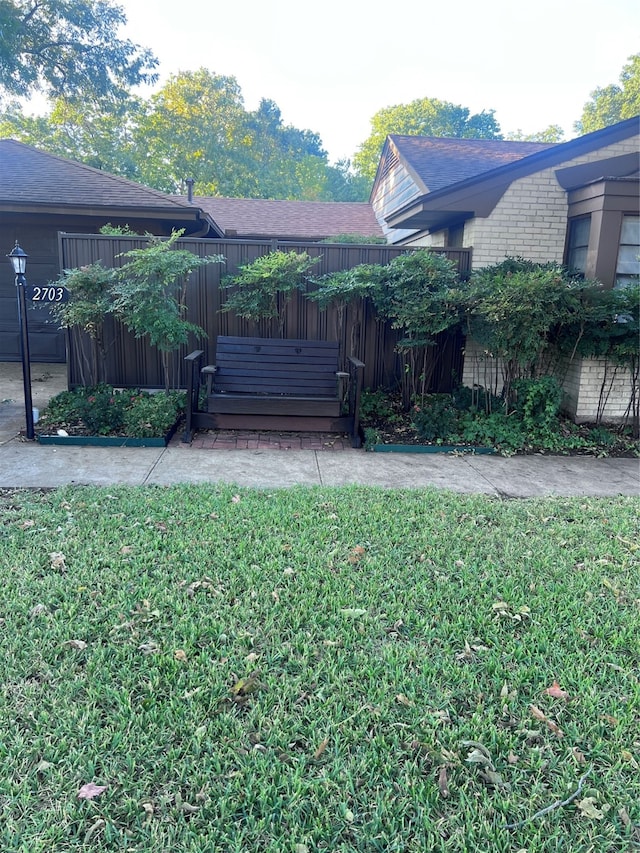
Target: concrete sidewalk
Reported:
point(27, 464)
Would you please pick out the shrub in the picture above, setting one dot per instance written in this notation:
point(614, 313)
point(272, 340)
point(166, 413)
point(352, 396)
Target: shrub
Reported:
point(102, 410)
point(435, 417)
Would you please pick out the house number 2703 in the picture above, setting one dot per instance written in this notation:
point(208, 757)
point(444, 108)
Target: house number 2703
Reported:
point(46, 294)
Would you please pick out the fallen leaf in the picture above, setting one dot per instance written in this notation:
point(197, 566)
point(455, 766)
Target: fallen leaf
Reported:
point(578, 755)
point(356, 554)
point(609, 719)
point(126, 549)
point(90, 791)
point(148, 648)
point(589, 809)
point(95, 827)
point(537, 713)
point(57, 559)
point(321, 748)
point(252, 657)
point(38, 610)
point(246, 686)
point(353, 612)
point(301, 848)
point(349, 816)
point(512, 758)
point(556, 691)
point(78, 645)
point(493, 778)
point(235, 499)
point(180, 655)
point(187, 808)
point(476, 756)
point(28, 522)
point(43, 766)
point(443, 783)
point(401, 699)
point(624, 816)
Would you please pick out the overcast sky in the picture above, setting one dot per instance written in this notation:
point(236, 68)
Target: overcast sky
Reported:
point(331, 65)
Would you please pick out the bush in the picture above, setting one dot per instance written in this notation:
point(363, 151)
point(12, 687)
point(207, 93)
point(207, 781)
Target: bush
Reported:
point(436, 418)
point(101, 410)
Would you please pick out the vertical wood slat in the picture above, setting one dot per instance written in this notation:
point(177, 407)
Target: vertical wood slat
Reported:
point(132, 362)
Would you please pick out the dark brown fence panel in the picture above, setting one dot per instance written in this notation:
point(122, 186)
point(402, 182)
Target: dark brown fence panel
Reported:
point(132, 362)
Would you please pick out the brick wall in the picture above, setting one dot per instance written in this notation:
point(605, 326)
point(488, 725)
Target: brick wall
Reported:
point(530, 220)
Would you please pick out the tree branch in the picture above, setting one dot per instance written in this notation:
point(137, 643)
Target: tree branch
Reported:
point(557, 805)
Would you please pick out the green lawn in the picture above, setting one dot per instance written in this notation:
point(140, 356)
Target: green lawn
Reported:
point(318, 669)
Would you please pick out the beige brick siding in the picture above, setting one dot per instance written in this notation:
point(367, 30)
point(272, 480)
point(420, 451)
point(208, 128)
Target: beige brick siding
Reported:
point(530, 220)
point(590, 385)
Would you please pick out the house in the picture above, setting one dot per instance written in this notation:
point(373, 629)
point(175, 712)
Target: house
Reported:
point(284, 220)
point(42, 194)
point(575, 202)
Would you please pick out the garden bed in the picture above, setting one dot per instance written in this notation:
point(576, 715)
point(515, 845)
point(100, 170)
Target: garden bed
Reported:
point(448, 423)
point(101, 416)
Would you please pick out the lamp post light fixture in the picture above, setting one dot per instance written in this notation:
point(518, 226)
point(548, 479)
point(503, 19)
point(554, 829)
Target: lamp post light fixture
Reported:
point(18, 260)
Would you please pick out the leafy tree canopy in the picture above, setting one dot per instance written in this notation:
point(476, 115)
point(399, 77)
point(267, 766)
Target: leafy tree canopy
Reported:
point(422, 117)
point(63, 47)
point(611, 104)
point(553, 133)
point(195, 126)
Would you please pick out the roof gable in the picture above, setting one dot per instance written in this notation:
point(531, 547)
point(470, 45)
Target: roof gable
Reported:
point(476, 193)
point(439, 162)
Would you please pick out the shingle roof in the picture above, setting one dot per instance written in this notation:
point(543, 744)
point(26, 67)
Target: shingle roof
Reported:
point(289, 220)
point(33, 177)
point(441, 162)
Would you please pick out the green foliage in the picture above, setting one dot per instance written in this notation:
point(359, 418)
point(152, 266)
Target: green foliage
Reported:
point(383, 663)
point(195, 126)
point(342, 287)
point(354, 238)
point(90, 302)
point(613, 103)
point(68, 48)
point(102, 410)
point(264, 287)
point(435, 417)
point(516, 309)
point(417, 293)
point(150, 290)
point(552, 133)
point(117, 231)
point(90, 298)
point(422, 117)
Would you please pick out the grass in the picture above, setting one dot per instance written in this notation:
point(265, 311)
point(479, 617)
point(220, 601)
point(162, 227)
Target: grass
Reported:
point(315, 669)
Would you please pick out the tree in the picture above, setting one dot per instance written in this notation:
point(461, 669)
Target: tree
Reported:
point(67, 48)
point(553, 133)
point(611, 104)
point(99, 132)
point(422, 117)
point(149, 295)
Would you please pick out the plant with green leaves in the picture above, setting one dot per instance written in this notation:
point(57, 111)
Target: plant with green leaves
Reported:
point(150, 295)
point(419, 294)
point(518, 311)
point(90, 302)
point(264, 287)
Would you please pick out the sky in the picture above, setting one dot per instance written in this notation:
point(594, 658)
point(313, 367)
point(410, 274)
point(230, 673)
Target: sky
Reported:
point(331, 65)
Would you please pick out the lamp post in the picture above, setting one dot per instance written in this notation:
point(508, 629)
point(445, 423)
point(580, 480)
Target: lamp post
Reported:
point(18, 260)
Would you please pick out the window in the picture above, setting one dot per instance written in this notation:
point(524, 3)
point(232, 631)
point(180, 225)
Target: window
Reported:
point(578, 244)
point(628, 264)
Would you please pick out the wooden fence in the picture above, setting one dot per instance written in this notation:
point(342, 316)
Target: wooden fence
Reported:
point(132, 363)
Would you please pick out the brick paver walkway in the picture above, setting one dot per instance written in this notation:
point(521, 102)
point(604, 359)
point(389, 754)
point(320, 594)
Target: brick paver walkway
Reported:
point(256, 440)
